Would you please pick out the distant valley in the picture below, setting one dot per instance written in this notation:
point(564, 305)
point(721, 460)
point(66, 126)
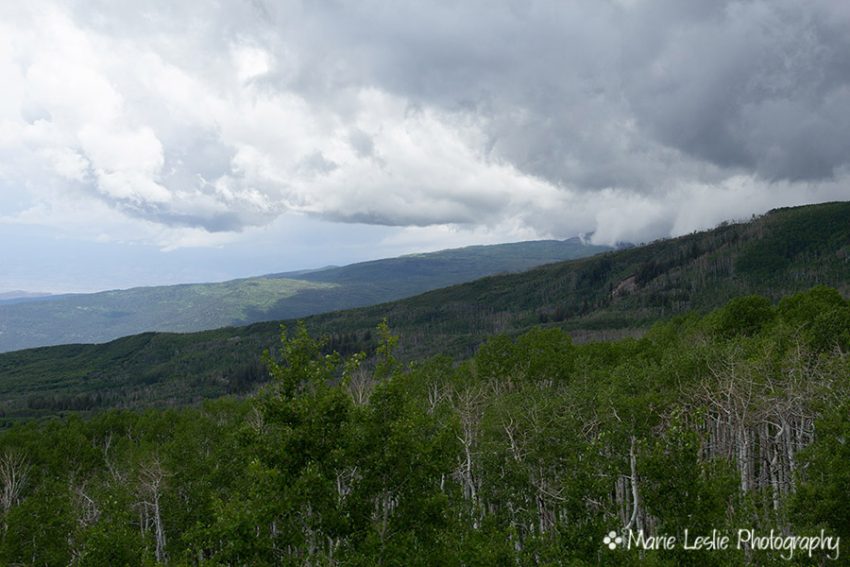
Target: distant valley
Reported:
point(607, 296)
point(32, 320)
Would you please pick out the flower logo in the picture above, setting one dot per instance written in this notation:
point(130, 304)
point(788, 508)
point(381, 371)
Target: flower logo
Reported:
point(612, 540)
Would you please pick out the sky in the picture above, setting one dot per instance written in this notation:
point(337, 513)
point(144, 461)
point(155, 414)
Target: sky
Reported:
point(146, 143)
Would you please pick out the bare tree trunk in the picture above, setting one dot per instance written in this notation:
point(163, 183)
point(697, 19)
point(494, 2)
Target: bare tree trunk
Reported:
point(360, 386)
point(14, 473)
point(152, 478)
point(635, 519)
point(469, 404)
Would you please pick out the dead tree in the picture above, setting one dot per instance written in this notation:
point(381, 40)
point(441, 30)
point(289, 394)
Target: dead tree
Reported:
point(470, 407)
point(151, 483)
point(14, 473)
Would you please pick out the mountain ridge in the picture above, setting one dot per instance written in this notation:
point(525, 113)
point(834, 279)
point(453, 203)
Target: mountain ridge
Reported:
point(611, 295)
point(17, 295)
point(110, 314)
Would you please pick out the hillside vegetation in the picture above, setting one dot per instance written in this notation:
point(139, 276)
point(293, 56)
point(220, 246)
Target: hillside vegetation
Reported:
point(528, 453)
point(612, 295)
point(99, 317)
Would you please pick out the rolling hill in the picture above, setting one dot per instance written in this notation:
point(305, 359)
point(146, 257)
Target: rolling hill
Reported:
point(17, 296)
point(99, 317)
point(611, 295)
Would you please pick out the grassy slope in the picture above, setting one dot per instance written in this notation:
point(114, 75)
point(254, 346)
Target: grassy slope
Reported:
point(110, 314)
point(607, 295)
point(105, 316)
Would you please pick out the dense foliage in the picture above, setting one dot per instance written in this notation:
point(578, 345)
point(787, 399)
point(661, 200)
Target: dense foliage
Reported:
point(609, 296)
point(527, 453)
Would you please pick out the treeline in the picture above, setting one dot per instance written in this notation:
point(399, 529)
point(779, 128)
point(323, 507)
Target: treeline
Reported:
point(528, 453)
point(612, 295)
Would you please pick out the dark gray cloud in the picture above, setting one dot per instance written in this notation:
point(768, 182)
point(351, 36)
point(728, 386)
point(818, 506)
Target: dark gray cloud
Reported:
point(761, 86)
point(552, 115)
point(594, 93)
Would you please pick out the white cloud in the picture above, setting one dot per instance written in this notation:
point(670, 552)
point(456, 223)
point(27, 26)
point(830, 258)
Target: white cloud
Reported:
point(474, 121)
point(67, 163)
point(251, 62)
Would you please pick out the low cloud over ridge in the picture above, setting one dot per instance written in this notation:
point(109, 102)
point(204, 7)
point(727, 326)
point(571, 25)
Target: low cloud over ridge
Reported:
point(633, 119)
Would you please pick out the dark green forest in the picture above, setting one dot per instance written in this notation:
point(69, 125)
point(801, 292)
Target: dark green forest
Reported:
point(528, 452)
point(605, 297)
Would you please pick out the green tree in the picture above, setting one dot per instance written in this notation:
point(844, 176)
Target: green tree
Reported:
point(744, 316)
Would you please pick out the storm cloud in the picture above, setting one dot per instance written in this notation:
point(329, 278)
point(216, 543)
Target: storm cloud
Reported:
point(633, 119)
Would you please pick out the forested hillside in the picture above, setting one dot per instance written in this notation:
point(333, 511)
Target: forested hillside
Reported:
point(99, 317)
point(613, 295)
point(529, 453)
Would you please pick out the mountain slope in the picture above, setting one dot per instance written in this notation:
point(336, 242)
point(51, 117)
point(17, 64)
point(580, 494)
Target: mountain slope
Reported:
point(785, 251)
point(107, 315)
point(609, 295)
point(18, 296)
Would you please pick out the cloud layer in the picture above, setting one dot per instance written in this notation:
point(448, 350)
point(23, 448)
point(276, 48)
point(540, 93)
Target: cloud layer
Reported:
point(633, 119)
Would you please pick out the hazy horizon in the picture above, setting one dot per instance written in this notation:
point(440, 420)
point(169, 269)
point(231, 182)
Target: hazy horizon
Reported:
point(378, 256)
point(210, 141)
